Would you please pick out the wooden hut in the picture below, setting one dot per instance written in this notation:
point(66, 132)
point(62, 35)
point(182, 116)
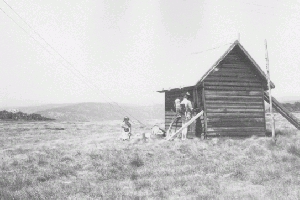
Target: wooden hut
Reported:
point(231, 94)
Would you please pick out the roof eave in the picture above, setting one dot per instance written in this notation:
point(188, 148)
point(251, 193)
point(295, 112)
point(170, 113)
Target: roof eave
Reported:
point(176, 89)
point(272, 85)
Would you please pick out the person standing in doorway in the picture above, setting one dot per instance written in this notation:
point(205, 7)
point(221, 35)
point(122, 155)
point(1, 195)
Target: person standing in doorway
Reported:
point(186, 108)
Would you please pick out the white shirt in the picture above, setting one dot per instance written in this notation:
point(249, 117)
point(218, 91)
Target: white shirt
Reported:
point(188, 104)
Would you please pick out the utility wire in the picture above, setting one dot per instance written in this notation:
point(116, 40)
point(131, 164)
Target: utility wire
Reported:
point(69, 62)
point(263, 13)
point(271, 7)
point(41, 37)
point(24, 30)
point(79, 71)
point(34, 39)
point(211, 49)
point(72, 64)
point(258, 5)
point(65, 61)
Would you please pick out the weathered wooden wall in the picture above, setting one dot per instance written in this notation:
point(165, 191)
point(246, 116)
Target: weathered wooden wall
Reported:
point(233, 96)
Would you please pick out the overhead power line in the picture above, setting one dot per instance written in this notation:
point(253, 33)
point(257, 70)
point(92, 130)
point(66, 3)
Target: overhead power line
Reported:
point(40, 37)
point(24, 30)
point(36, 40)
point(211, 49)
point(71, 65)
point(260, 11)
point(258, 5)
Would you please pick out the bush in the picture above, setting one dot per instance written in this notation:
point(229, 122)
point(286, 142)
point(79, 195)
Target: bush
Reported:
point(293, 149)
point(136, 162)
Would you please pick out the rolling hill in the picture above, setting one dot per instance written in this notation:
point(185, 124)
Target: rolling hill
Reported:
point(91, 111)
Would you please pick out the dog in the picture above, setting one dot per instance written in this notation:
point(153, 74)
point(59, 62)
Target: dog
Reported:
point(157, 131)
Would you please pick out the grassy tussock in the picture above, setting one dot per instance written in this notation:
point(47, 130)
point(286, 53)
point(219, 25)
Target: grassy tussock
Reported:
point(86, 161)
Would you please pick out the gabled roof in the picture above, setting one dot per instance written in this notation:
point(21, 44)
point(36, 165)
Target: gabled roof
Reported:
point(211, 69)
point(236, 43)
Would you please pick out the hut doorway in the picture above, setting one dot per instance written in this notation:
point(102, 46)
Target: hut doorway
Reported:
point(196, 128)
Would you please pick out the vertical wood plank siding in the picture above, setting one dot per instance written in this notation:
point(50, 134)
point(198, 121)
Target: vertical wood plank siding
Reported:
point(234, 101)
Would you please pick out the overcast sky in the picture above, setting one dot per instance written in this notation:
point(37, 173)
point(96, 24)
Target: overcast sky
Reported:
point(127, 50)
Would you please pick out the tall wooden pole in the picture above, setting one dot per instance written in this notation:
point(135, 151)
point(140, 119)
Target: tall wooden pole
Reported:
point(270, 96)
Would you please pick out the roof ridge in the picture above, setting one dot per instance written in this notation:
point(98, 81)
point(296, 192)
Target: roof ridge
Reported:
point(234, 44)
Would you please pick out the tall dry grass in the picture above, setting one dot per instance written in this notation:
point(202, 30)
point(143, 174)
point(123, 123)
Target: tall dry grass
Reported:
point(86, 161)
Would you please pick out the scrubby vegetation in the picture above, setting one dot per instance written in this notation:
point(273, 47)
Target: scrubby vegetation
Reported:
point(6, 115)
point(86, 161)
point(292, 107)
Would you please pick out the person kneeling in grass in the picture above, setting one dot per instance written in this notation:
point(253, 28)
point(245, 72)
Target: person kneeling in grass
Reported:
point(126, 129)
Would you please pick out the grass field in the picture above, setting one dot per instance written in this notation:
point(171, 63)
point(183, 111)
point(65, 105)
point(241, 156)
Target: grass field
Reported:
point(85, 160)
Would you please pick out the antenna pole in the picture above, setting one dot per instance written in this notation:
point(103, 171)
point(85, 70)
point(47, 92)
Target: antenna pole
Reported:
point(239, 37)
point(270, 96)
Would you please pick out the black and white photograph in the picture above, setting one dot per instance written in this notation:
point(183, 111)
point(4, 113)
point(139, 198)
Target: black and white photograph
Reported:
point(149, 99)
